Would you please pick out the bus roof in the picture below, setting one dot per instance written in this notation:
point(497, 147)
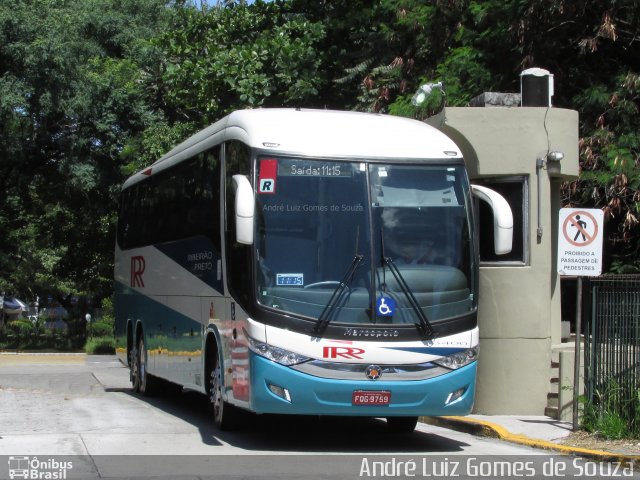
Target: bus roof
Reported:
point(317, 133)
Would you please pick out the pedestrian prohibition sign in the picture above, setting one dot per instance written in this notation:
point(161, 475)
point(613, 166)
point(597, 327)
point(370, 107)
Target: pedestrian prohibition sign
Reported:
point(580, 242)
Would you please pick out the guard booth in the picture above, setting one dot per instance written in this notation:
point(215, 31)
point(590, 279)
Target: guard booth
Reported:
point(524, 153)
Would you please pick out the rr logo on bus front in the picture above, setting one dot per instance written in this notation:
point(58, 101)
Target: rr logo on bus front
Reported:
point(137, 269)
point(342, 352)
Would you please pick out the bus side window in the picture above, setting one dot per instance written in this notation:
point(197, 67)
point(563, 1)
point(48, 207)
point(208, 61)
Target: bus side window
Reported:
point(237, 158)
point(209, 194)
point(134, 227)
point(124, 220)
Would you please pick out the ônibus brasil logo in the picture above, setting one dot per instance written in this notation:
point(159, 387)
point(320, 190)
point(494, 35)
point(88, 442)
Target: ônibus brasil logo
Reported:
point(33, 468)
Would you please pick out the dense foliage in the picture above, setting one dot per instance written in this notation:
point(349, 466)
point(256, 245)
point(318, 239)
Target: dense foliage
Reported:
point(70, 101)
point(91, 90)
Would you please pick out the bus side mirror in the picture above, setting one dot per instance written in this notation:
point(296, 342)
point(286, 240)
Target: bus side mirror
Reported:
point(245, 209)
point(502, 218)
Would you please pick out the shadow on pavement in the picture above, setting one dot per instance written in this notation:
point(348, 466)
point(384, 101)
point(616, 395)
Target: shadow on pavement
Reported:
point(295, 433)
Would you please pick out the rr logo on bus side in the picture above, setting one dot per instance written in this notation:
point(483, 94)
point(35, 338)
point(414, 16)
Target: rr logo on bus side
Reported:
point(342, 352)
point(137, 269)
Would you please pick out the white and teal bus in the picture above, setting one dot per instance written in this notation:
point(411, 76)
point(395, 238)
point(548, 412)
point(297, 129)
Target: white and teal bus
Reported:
point(296, 261)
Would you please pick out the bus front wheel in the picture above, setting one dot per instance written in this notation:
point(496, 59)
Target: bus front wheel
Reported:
point(224, 414)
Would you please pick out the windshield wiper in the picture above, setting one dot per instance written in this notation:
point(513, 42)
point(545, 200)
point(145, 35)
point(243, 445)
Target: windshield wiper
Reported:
point(424, 327)
point(336, 296)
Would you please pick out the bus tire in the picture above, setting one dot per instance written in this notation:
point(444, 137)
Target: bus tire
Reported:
point(146, 383)
point(402, 424)
point(133, 369)
point(224, 414)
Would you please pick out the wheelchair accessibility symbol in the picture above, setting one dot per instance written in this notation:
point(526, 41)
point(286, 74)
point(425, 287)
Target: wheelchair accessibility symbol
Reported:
point(386, 307)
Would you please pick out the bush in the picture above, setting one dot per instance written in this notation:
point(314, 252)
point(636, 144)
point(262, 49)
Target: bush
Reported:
point(100, 345)
point(21, 327)
point(20, 334)
point(610, 415)
point(100, 329)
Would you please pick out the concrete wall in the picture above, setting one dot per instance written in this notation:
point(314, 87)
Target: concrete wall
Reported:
point(566, 375)
point(519, 315)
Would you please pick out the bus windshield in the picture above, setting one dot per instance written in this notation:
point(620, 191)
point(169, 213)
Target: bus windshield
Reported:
point(364, 243)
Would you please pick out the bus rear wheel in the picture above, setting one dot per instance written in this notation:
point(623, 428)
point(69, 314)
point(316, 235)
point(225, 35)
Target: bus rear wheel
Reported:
point(133, 369)
point(144, 383)
point(402, 424)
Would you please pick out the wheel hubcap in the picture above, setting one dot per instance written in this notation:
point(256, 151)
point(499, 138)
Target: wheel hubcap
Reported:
point(142, 362)
point(216, 392)
point(135, 369)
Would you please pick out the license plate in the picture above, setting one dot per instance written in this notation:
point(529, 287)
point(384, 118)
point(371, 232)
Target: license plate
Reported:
point(368, 397)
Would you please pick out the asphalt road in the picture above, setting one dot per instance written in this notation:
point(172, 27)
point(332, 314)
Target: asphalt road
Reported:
point(80, 409)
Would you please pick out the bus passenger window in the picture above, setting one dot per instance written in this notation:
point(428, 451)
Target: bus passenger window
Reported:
point(237, 157)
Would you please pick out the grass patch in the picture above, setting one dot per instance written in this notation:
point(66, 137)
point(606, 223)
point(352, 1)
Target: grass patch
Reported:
point(613, 414)
point(100, 346)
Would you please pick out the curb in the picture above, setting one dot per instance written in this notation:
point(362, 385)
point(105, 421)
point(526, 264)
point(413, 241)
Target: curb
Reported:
point(41, 358)
point(482, 428)
point(26, 353)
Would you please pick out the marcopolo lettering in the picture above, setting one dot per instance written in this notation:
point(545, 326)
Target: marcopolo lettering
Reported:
point(371, 332)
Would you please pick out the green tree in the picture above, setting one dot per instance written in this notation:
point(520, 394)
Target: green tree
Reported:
point(591, 47)
point(475, 46)
point(237, 56)
point(610, 166)
point(70, 97)
point(379, 52)
point(93, 90)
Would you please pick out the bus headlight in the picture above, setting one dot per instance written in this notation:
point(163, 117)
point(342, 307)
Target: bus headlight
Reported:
point(459, 359)
point(276, 354)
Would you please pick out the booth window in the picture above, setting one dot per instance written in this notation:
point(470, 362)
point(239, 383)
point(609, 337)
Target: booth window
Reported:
point(515, 189)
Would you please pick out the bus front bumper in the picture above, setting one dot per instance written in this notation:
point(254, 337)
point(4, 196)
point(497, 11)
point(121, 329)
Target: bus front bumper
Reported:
point(279, 389)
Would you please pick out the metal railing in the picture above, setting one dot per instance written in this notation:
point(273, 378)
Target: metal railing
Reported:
point(612, 346)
